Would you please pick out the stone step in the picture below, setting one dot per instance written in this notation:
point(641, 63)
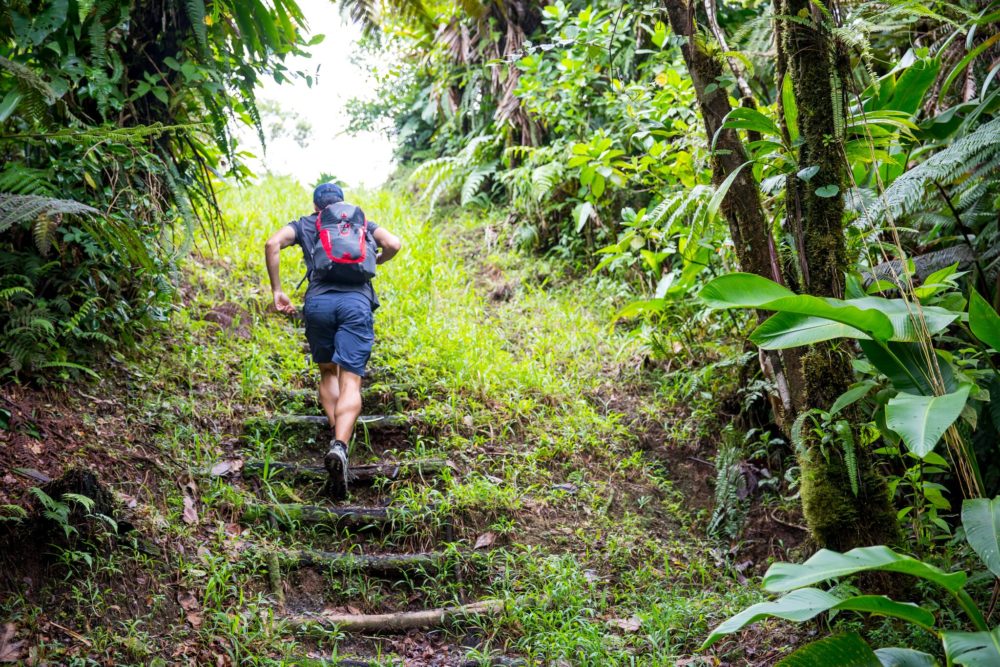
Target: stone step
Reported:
point(398, 621)
point(286, 514)
point(358, 474)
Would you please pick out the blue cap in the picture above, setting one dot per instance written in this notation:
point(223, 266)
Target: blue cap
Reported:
point(327, 193)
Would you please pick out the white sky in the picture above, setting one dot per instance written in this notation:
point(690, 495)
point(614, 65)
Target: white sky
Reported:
point(361, 160)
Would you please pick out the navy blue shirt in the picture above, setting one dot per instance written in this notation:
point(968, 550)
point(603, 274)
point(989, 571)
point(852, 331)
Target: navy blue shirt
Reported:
point(305, 237)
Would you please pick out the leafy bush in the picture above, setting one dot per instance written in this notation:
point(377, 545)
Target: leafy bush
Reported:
point(979, 648)
point(116, 120)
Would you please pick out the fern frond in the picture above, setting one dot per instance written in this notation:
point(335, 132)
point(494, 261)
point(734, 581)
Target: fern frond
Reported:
point(473, 182)
point(11, 292)
point(18, 208)
point(798, 442)
point(545, 178)
point(966, 155)
point(20, 180)
point(38, 94)
point(44, 231)
point(195, 10)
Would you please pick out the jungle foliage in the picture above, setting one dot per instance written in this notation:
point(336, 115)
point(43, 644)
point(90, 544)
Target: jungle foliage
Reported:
point(843, 156)
point(115, 117)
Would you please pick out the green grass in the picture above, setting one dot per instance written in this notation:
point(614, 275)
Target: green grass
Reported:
point(532, 396)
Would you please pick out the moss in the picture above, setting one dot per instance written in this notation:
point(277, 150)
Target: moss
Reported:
point(837, 518)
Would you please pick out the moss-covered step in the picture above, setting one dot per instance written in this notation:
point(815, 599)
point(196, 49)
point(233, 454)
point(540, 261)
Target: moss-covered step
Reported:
point(373, 563)
point(310, 427)
point(501, 661)
point(371, 395)
point(397, 621)
point(358, 474)
point(286, 514)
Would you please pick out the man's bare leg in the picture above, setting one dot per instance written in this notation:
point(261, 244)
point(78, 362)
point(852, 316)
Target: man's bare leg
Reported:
point(329, 391)
point(348, 405)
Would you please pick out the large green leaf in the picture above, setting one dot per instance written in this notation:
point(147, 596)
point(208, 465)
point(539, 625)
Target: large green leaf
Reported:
point(872, 322)
point(806, 603)
point(984, 321)
point(847, 650)
point(865, 317)
point(975, 649)
point(910, 89)
point(905, 364)
point(921, 420)
point(981, 520)
point(904, 316)
point(742, 290)
point(826, 564)
point(904, 657)
point(785, 330)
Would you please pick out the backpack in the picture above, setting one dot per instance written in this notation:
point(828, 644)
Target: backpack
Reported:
point(344, 251)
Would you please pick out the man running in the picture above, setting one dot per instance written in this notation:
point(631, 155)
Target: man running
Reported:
point(338, 311)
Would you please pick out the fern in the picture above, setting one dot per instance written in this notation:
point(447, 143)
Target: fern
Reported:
point(44, 231)
point(545, 178)
point(730, 488)
point(18, 208)
point(38, 94)
point(195, 10)
point(845, 436)
point(20, 180)
point(83, 9)
point(969, 154)
point(462, 173)
point(474, 182)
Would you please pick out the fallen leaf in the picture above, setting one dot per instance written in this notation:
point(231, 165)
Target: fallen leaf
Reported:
point(626, 624)
point(10, 650)
point(485, 540)
point(190, 490)
point(223, 468)
point(568, 488)
point(192, 610)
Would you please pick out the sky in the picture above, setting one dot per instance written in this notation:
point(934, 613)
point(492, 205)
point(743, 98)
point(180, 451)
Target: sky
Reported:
point(362, 160)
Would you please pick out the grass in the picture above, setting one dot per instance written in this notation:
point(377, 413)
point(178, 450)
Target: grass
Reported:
point(535, 397)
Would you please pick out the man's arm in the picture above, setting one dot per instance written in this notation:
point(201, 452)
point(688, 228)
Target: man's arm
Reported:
point(282, 238)
point(389, 243)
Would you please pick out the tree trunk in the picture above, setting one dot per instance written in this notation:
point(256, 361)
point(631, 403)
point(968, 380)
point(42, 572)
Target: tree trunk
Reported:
point(741, 207)
point(837, 517)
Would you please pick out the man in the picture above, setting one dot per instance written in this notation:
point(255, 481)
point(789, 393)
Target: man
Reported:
point(338, 315)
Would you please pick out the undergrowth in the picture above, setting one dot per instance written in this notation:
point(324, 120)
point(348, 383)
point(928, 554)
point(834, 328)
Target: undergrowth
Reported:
point(510, 369)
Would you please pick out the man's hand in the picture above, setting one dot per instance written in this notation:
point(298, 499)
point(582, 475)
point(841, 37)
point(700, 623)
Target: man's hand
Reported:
point(389, 243)
point(282, 303)
point(282, 238)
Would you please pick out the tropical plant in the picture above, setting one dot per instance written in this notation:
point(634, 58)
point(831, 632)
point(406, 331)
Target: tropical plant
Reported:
point(931, 388)
point(803, 601)
point(115, 120)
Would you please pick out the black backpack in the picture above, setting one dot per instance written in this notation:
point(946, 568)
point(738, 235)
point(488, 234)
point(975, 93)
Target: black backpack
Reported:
point(345, 250)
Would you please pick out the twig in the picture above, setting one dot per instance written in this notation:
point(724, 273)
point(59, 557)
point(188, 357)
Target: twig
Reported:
point(774, 517)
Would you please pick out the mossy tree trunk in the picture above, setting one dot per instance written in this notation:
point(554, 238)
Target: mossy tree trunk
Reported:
point(741, 207)
point(837, 517)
